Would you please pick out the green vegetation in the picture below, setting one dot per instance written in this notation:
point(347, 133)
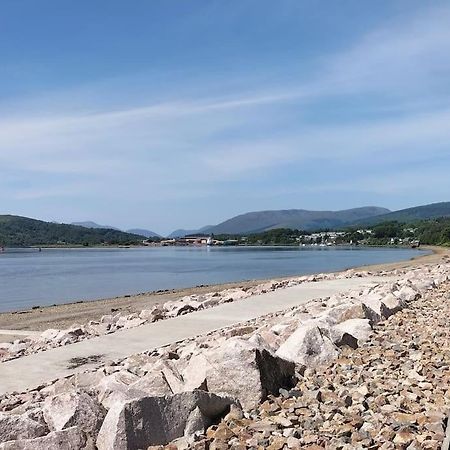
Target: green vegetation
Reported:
point(278, 236)
point(409, 215)
point(16, 231)
point(428, 232)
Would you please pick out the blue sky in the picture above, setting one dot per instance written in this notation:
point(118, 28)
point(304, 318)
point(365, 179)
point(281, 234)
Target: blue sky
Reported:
point(167, 114)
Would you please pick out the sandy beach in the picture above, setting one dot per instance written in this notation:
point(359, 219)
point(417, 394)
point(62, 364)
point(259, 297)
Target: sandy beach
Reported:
point(64, 315)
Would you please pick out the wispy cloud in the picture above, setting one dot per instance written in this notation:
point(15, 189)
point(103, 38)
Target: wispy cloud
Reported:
point(194, 143)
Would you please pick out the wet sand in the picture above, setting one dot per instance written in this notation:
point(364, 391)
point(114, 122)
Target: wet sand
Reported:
point(65, 315)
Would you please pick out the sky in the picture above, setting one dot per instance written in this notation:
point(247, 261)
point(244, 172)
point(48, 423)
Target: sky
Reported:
point(179, 114)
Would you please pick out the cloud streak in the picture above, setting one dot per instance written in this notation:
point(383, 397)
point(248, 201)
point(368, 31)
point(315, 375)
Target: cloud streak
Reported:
point(195, 146)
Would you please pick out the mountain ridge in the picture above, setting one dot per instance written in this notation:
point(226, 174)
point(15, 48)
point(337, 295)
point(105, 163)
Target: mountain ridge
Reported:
point(143, 232)
point(138, 231)
point(90, 224)
point(430, 211)
point(258, 221)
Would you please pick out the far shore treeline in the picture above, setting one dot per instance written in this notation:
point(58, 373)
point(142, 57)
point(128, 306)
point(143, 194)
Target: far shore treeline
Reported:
point(16, 231)
point(427, 232)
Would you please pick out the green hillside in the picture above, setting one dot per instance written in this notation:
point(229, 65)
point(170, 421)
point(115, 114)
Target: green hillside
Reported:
point(16, 231)
point(409, 215)
point(259, 221)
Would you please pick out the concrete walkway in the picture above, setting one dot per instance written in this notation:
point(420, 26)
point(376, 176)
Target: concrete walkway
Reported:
point(31, 371)
point(19, 332)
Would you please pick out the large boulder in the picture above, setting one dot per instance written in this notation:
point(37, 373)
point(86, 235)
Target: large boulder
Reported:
point(73, 409)
point(344, 312)
point(424, 284)
point(153, 383)
point(152, 315)
point(407, 294)
point(376, 310)
point(352, 332)
point(70, 335)
point(112, 386)
point(392, 303)
point(309, 345)
point(69, 439)
point(15, 426)
point(240, 369)
point(181, 307)
point(140, 423)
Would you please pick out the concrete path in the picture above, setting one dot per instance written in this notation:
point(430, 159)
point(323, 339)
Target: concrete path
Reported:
point(19, 332)
point(31, 371)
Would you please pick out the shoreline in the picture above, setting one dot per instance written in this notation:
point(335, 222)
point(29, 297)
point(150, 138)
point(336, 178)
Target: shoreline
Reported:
point(81, 312)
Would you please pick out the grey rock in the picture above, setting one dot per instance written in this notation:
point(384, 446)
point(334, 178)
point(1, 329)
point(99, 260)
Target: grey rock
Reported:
point(358, 329)
point(69, 439)
point(14, 426)
point(73, 409)
point(147, 421)
point(309, 345)
point(240, 369)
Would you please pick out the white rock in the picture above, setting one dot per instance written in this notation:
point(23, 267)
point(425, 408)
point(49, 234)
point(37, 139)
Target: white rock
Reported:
point(407, 294)
point(49, 335)
point(87, 380)
point(18, 346)
point(73, 409)
point(345, 312)
point(151, 384)
point(123, 320)
point(279, 328)
point(181, 307)
point(112, 385)
point(359, 329)
point(375, 309)
point(69, 335)
point(309, 346)
point(152, 315)
point(59, 386)
point(424, 284)
point(132, 323)
point(392, 303)
point(5, 346)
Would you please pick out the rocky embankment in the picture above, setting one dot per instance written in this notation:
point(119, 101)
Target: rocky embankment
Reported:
point(111, 323)
point(364, 369)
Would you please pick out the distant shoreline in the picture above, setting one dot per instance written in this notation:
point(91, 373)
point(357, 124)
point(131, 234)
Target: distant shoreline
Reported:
point(64, 315)
point(98, 247)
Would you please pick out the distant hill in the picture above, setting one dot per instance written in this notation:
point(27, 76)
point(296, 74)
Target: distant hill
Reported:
point(143, 232)
point(259, 221)
point(89, 224)
point(17, 231)
point(139, 231)
point(431, 211)
point(182, 232)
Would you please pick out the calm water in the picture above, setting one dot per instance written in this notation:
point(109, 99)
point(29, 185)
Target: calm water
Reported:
point(29, 278)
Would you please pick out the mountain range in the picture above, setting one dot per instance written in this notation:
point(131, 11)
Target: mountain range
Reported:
point(139, 231)
point(431, 211)
point(182, 232)
point(258, 221)
point(23, 231)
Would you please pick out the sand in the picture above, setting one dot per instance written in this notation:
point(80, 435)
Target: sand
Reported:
point(65, 315)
